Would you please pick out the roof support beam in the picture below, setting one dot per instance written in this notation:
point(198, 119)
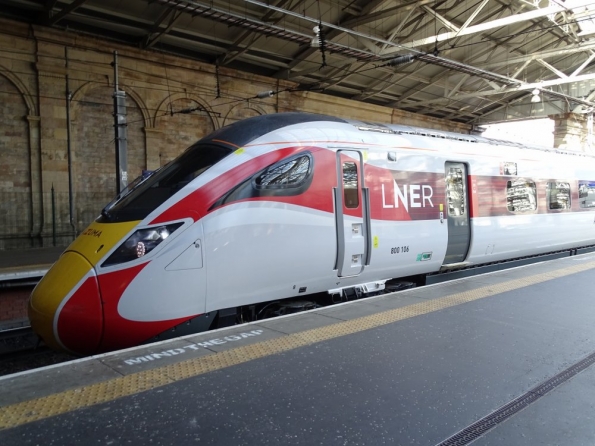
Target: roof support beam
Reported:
point(524, 87)
point(172, 21)
point(498, 23)
point(520, 70)
point(437, 16)
point(156, 32)
point(458, 86)
point(328, 82)
point(479, 55)
point(64, 12)
point(472, 16)
point(49, 4)
point(230, 56)
point(440, 61)
point(583, 65)
point(552, 69)
point(387, 80)
point(542, 55)
point(398, 29)
point(389, 12)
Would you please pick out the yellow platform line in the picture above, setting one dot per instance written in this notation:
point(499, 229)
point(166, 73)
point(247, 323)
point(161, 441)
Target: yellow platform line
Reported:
point(70, 400)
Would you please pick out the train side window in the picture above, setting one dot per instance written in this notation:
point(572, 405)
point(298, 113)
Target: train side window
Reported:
point(455, 192)
point(521, 195)
point(586, 194)
point(291, 173)
point(558, 195)
point(288, 177)
point(508, 168)
point(350, 189)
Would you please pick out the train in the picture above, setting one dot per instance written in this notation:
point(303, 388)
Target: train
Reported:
point(286, 212)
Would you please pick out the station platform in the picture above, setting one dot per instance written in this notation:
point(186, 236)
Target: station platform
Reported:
point(19, 264)
point(504, 358)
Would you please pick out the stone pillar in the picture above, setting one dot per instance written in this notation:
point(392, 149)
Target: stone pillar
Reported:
point(571, 132)
point(36, 180)
point(153, 141)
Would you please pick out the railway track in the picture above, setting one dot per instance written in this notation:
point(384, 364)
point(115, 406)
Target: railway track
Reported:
point(21, 350)
point(16, 339)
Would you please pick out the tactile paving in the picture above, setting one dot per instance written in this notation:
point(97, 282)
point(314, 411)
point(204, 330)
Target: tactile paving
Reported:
point(28, 411)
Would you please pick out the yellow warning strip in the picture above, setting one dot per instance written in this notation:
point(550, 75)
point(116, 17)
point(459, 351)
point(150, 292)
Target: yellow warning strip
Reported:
point(70, 400)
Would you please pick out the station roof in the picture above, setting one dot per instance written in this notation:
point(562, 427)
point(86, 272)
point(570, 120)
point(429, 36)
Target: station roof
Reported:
point(470, 61)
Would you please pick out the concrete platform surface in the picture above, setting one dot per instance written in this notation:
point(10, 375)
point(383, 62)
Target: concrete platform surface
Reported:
point(18, 264)
point(410, 368)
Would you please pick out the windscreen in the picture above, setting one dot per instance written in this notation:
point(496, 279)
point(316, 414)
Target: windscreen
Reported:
point(147, 195)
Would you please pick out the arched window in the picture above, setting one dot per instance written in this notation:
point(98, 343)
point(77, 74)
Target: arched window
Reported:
point(286, 174)
point(288, 177)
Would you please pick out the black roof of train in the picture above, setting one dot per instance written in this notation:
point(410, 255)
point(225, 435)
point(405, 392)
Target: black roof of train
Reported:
point(247, 130)
point(243, 132)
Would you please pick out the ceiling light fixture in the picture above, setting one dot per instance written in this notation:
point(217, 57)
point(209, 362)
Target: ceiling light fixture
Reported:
point(315, 43)
point(535, 97)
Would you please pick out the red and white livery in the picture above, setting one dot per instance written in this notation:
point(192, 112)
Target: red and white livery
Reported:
point(262, 215)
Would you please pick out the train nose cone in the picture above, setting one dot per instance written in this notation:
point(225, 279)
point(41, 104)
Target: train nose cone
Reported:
point(65, 306)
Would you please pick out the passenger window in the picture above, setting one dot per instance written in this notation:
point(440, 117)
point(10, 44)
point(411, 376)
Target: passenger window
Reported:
point(586, 194)
point(350, 191)
point(455, 192)
point(286, 175)
point(508, 168)
point(558, 195)
point(521, 195)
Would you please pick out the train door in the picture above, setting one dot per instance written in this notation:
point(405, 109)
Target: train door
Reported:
point(352, 214)
point(457, 211)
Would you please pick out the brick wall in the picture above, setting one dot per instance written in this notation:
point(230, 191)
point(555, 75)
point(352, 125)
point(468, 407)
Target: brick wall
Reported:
point(94, 158)
point(15, 178)
point(13, 304)
point(42, 71)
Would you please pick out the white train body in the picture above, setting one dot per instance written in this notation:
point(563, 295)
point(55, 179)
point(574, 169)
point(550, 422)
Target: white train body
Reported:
point(285, 206)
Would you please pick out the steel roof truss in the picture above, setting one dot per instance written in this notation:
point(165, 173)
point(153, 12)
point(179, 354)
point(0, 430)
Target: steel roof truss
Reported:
point(54, 18)
point(497, 23)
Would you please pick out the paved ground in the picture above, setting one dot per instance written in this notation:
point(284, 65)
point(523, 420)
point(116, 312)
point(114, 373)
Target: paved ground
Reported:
point(14, 258)
point(410, 368)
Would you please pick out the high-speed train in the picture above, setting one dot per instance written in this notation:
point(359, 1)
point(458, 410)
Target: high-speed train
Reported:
point(263, 215)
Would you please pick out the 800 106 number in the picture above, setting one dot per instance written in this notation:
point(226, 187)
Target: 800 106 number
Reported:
point(399, 249)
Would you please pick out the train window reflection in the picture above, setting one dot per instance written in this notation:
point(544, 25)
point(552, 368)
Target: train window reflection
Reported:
point(164, 183)
point(586, 194)
point(288, 177)
point(455, 192)
point(508, 168)
point(350, 190)
point(521, 195)
point(289, 174)
point(558, 195)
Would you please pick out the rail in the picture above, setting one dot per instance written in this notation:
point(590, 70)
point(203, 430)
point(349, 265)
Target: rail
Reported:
point(21, 350)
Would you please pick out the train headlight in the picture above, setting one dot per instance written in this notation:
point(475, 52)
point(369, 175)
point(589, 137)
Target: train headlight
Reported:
point(140, 243)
